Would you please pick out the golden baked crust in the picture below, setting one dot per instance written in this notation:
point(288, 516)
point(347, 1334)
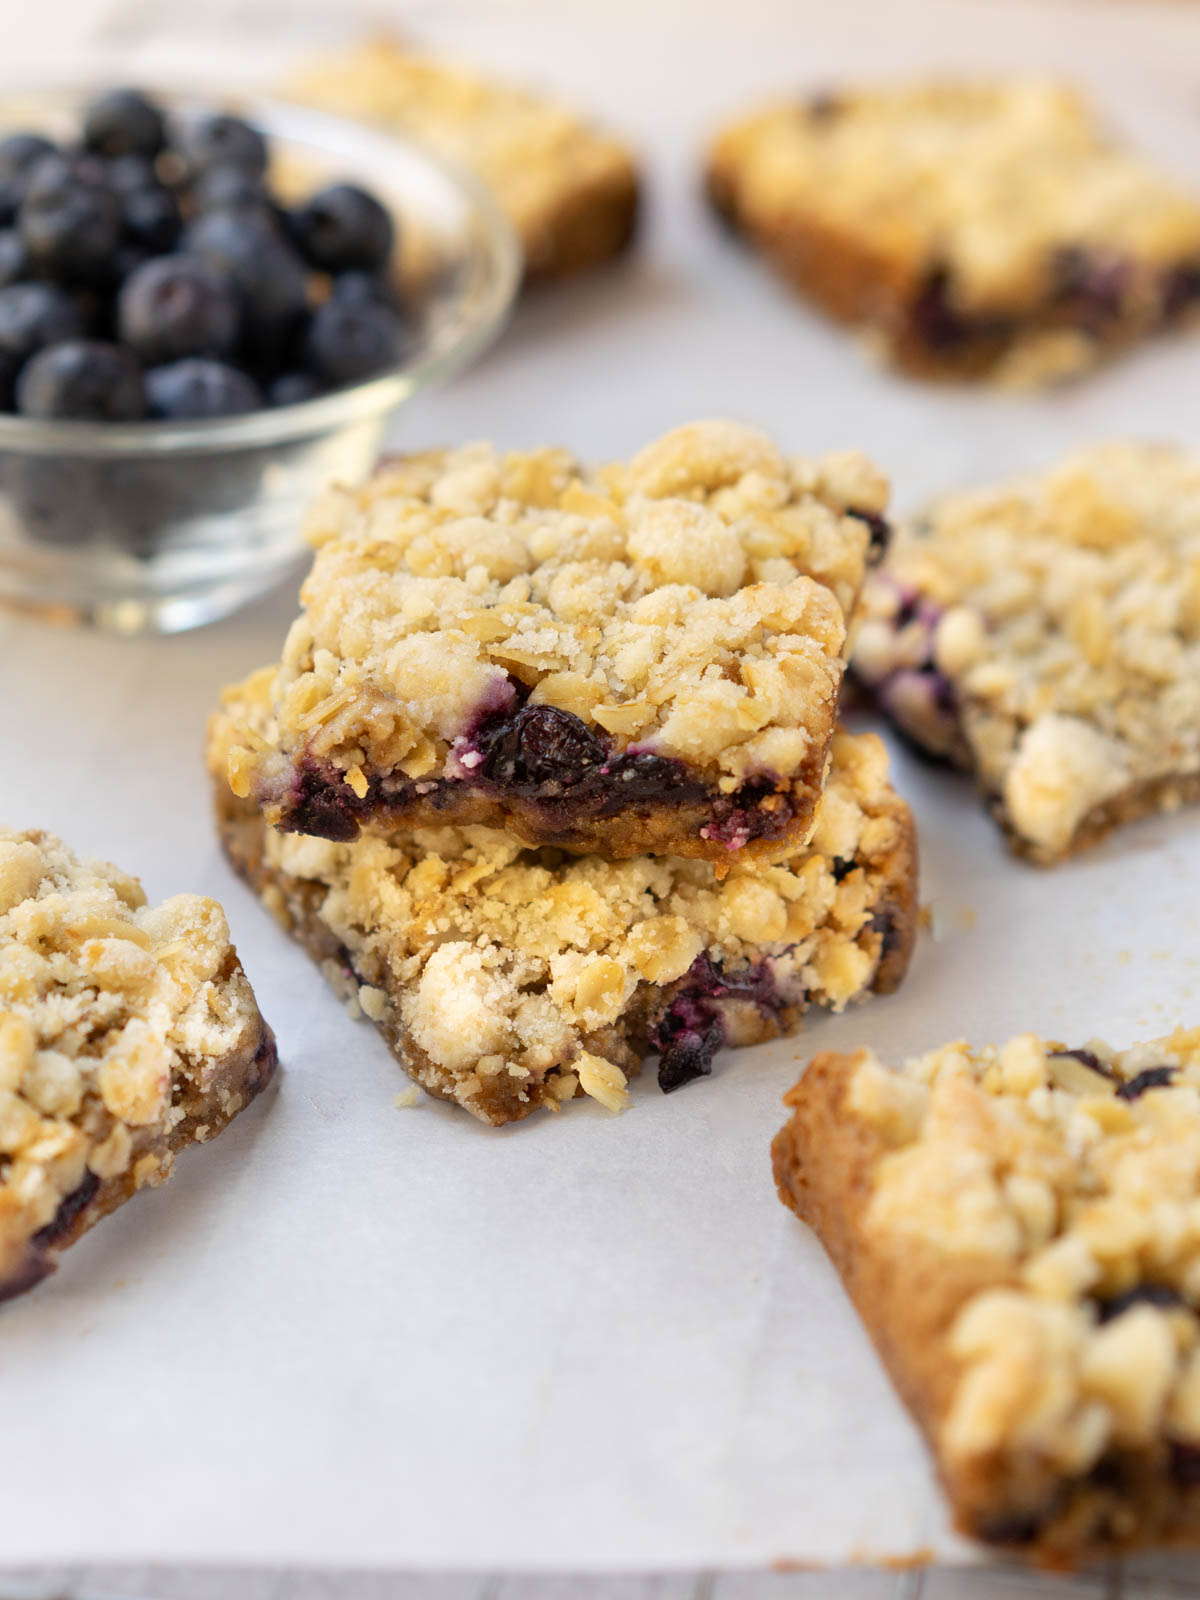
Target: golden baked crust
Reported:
point(1046, 635)
point(638, 658)
point(570, 191)
point(506, 979)
point(967, 228)
point(126, 1032)
point(1020, 1231)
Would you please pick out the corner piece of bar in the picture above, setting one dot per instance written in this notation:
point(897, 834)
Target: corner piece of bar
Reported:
point(127, 1032)
point(634, 659)
point(506, 978)
point(1019, 1229)
point(1045, 634)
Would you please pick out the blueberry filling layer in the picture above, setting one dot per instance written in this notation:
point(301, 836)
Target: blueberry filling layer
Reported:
point(69, 1209)
point(690, 1030)
point(1151, 1078)
point(1142, 1294)
point(920, 699)
point(880, 530)
point(1093, 291)
point(1088, 1059)
point(553, 762)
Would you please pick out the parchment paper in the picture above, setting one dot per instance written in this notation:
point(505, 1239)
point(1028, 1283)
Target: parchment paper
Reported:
point(352, 1334)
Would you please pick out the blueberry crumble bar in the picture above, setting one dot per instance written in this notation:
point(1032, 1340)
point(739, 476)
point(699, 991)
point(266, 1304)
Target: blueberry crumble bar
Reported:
point(968, 228)
point(507, 978)
point(1019, 1228)
point(127, 1032)
point(570, 190)
point(1046, 635)
point(641, 658)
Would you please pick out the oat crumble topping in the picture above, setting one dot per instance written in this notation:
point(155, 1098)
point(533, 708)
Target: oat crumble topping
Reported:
point(689, 605)
point(1046, 633)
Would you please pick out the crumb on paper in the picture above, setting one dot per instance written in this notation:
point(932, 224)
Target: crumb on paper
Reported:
point(407, 1098)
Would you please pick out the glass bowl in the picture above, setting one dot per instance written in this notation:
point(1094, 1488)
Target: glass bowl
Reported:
point(160, 526)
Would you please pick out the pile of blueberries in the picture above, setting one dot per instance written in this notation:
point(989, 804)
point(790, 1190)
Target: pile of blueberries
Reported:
point(150, 272)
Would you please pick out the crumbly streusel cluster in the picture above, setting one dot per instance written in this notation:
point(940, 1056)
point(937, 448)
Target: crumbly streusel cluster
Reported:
point(1061, 1184)
point(1005, 200)
point(113, 1014)
point(545, 165)
point(692, 603)
point(514, 978)
point(1047, 634)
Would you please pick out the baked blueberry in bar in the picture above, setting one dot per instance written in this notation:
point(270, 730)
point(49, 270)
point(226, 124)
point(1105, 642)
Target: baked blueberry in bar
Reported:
point(127, 1032)
point(507, 978)
point(1019, 1228)
point(1046, 635)
point(642, 658)
point(967, 228)
point(569, 189)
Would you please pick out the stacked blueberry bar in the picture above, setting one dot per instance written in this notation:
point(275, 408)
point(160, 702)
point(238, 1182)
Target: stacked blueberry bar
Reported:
point(548, 776)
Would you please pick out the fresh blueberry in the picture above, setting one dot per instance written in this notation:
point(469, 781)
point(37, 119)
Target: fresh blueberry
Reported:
point(33, 315)
point(8, 382)
point(222, 141)
point(13, 261)
point(84, 380)
point(128, 174)
point(122, 123)
point(176, 306)
point(20, 153)
point(226, 188)
point(359, 288)
point(269, 279)
point(200, 388)
point(290, 388)
point(540, 744)
point(343, 229)
point(70, 218)
point(152, 221)
point(347, 343)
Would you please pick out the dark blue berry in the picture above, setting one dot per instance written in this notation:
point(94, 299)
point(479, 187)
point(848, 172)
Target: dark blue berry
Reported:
point(540, 744)
point(176, 306)
point(151, 220)
point(268, 278)
point(359, 288)
point(343, 229)
point(20, 153)
point(123, 122)
point(13, 261)
point(1151, 1078)
point(70, 219)
point(84, 380)
point(128, 174)
point(33, 315)
point(291, 388)
point(347, 343)
point(8, 382)
point(689, 1055)
point(229, 189)
point(200, 388)
point(222, 141)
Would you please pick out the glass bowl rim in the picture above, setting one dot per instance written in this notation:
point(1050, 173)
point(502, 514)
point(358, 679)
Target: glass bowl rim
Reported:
point(283, 424)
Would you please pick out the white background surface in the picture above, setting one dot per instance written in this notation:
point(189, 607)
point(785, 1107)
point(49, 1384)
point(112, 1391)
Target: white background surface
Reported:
point(349, 1335)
